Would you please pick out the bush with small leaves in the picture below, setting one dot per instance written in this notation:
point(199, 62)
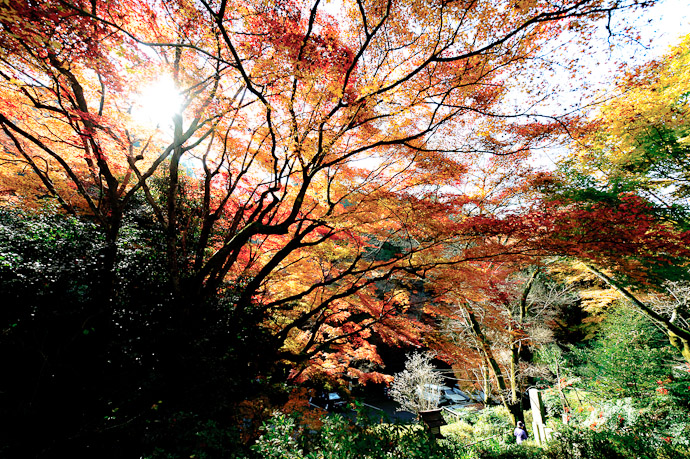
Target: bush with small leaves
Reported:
point(279, 440)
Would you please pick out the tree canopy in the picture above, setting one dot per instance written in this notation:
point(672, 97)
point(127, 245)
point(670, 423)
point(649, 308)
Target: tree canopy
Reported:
point(325, 180)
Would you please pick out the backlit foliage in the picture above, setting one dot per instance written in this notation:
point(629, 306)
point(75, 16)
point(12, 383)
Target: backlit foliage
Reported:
point(308, 139)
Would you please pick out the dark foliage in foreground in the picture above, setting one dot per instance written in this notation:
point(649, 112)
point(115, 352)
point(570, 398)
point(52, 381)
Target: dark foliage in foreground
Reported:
point(96, 365)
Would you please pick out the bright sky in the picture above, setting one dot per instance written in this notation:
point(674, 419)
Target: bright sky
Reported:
point(660, 27)
point(664, 24)
point(157, 103)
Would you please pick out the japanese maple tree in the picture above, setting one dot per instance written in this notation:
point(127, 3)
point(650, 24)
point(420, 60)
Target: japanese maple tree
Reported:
point(618, 201)
point(306, 140)
point(639, 139)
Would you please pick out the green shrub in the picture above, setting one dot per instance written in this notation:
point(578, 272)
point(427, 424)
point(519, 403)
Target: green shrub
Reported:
point(340, 439)
point(470, 426)
point(626, 359)
point(196, 437)
point(514, 451)
point(614, 415)
point(662, 417)
point(279, 440)
point(592, 444)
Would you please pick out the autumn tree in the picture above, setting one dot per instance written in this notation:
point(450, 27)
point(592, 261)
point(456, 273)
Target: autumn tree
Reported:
point(310, 136)
point(622, 234)
point(307, 143)
point(496, 320)
point(623, 187)
point(639, 139)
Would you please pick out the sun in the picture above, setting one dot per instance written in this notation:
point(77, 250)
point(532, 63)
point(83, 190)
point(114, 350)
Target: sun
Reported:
point(158, 102)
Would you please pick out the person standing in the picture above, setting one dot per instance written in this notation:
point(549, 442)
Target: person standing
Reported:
point(520, 432)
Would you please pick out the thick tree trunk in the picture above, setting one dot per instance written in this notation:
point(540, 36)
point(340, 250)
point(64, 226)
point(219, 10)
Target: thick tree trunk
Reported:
point(172, 210)
point(514, 365)
point(516, 345)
